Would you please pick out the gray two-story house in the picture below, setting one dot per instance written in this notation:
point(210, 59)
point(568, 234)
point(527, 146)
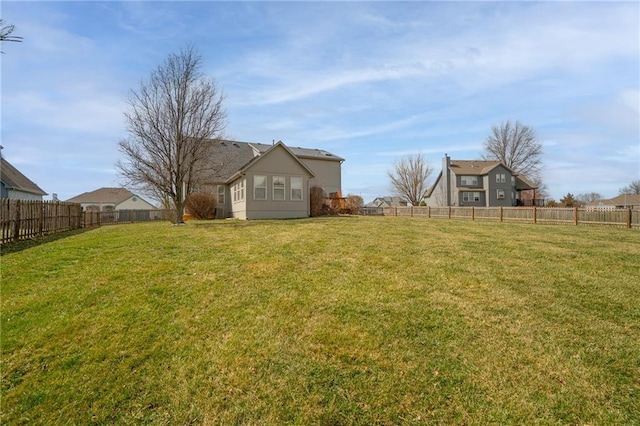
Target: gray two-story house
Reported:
point(476, 183)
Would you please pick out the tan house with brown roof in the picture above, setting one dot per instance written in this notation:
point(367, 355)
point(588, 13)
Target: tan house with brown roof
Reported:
point(622, 201)
point(262, 181)
point(111, 199)
point(477, 183)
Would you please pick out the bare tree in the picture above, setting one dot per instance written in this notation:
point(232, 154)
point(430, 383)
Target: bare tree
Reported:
point(589, 197)
point(5, 32)
point(171, 120)
point(409, 178)
point(517, 147)
point(632, 188)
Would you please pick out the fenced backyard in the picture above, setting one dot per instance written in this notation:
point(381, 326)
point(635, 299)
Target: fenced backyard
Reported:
point(538, 215)
point(25, 219)
point(22, 219)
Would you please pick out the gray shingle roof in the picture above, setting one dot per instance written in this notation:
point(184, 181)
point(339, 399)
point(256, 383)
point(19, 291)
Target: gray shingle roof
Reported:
point(13, 179)
point(228, 157)
point(103, 195)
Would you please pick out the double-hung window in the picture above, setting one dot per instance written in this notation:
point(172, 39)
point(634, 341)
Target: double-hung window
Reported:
point(501, 178)
point(469, 180)
point(238, 191)
point(279, 188)
point(469, 197)
point(259, 187)
point(221, 194)
point(500, 194)
point(296, 188)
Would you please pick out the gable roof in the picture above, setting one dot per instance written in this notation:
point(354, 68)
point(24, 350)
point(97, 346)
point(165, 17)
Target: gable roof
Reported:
point(310, 153)
point(480, 168)
point(103, 195)
point(13, 179)
point(390, 201)
point(472, 167)
point(278, 145)
point(619, 200)
point(228, 158)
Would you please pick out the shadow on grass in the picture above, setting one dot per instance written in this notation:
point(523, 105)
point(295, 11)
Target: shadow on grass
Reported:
point(17, 246)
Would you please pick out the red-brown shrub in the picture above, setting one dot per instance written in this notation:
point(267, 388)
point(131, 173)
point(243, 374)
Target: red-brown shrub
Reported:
point(201, 205)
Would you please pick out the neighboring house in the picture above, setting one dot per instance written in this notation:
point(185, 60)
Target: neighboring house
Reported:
point(111, 199)
point(260, 181)
point(631, 201)
point(16, 186)
point(387, 202)
point(477, 183)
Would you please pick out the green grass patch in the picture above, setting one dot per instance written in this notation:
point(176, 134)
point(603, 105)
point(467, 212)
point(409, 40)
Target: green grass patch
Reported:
point(350, 320)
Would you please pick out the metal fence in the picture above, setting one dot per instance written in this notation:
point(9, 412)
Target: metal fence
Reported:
point(627, 218)
point(94, 218)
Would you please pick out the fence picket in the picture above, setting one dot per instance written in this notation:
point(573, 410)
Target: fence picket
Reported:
point(628, 218)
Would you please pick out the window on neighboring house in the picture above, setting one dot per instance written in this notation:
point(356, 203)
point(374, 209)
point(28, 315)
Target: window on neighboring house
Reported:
point(469, 180)
point(221, 194)
point(500, 194)
point(296, 188)
point(259, 187)
point(278, 188)
point(501, 178)
point(469, 197)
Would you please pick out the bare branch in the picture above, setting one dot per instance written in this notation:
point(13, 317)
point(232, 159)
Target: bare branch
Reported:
point(409, 178)
point(171, 120)
point(517, 147)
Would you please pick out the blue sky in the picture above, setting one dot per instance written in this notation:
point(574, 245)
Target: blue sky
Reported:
point(368, 81)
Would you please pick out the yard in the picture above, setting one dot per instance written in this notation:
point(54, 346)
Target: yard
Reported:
point(349, 320)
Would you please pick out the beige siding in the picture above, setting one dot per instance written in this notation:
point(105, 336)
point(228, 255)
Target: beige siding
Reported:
point(138, 204)
point(327, 174)
point(286, 166)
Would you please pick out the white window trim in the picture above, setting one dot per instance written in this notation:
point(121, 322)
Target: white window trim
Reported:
point(472, 196)
point(256, 187)
point(297, 188)
point(498, 195)
point(464, 180)
point(283, 189)
point(221, 194)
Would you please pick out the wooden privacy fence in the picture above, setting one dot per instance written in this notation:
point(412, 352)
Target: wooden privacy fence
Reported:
point(23, 219)
point(551, 215)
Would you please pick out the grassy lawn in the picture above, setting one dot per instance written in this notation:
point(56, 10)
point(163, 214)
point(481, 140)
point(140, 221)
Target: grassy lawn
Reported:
point(351, 320)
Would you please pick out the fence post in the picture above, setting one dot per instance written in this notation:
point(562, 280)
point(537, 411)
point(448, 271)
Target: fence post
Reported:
point(575, 216)
point(629, 217)
point(449, 216)
point(42, 216)
point(411, 211)
point(535, 215)
point(16, 226)
point(473, 213)
point(500, 213)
